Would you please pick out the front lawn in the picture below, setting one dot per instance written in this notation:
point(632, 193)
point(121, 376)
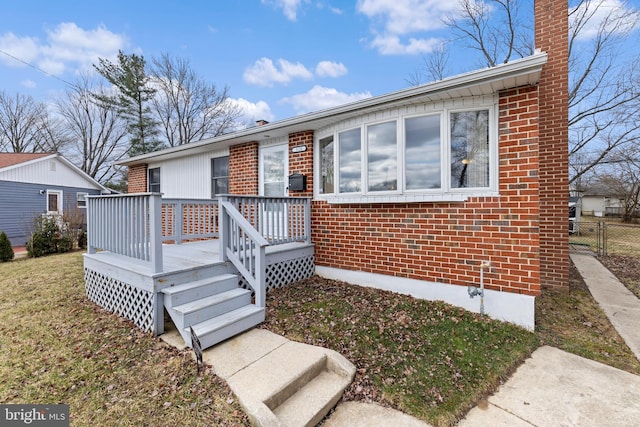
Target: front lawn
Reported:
point(58, 347)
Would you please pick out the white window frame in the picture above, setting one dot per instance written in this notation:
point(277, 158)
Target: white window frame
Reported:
point(81, 195)
point(60, 209)
point(149, 180)
point(445, 193)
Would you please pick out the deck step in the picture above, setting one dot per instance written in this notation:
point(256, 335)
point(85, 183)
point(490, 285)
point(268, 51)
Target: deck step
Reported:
point(215, 330)
point(192, 291)
point(310, 404)
point(215, 305)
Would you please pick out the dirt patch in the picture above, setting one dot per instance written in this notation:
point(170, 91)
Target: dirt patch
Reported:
point(626, 269)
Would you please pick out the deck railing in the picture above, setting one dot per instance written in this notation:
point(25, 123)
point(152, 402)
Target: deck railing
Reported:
point(189, 219)
point(243, 245)
point(136, 225)
point(278, 219)
point(127, 225)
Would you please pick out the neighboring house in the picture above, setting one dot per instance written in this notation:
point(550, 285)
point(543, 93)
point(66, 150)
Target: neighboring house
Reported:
point(427, 191)
point(42, 183)
point(598, 200)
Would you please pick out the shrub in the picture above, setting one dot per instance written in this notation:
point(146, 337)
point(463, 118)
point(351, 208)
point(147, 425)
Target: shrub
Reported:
point(82, 240)
point(6, 251)
point(44, 240)
point(64, 244)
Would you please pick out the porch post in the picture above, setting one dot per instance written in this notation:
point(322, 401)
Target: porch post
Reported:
point(223, 227)
point(178, 224)
point(155, 232)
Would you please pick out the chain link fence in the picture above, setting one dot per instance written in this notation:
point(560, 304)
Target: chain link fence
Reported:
point(606, 238)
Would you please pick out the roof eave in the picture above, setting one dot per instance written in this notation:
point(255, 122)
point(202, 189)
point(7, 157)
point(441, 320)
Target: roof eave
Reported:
point(521, 72)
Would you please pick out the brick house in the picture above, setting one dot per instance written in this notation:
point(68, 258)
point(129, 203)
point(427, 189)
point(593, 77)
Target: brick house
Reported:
point(434, 191)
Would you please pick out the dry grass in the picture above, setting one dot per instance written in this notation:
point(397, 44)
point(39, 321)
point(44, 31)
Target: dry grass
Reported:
point(574, 322)
point(58, 347)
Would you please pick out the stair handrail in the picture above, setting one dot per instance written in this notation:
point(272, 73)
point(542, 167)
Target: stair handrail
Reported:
point(245, 247)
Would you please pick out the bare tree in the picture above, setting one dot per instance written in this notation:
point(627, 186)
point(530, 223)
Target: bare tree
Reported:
point(435, 66)
point(604, 94)
point(493, 28)
point(98, 133)
point(20, 121)
point(188, 108)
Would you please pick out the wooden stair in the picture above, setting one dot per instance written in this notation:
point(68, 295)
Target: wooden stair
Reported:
point(215, 307)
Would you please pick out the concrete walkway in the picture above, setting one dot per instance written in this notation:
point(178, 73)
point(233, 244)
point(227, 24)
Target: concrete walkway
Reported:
point(619, 303)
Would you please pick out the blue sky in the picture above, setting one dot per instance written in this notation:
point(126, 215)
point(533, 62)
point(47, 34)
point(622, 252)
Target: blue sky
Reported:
point(279, 58)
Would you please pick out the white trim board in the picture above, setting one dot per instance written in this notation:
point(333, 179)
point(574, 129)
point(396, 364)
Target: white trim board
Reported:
point(514, 308)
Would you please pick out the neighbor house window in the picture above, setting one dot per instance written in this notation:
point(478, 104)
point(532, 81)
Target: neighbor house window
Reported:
point(434, 153)
point(350, 172)
point(219, 176)
point(470, 149)
point(382, 157)
point(81, 200)
point(326, 165)
point(54, 202)
point(154, 180)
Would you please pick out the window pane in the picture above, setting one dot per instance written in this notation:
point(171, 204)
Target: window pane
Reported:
point(154, 180)
point(219, 176)
point(470, 149)
point(349, 155)
point(52, 202)
point(382, 157)
point(326, 165)
point(220, 167)
point(422, 155)
point(81, 199)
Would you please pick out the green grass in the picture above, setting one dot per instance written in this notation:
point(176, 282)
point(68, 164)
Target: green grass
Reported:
point(58, 347)
point(431, 360)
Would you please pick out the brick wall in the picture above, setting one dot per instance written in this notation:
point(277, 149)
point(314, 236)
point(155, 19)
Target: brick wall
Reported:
point(551, 36)
point(302, 162)
point(137, 180)
point(446, 242)
point(243, 169)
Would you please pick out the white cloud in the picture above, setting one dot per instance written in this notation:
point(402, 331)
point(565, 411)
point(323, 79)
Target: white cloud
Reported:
point(252, 111)
point(330, 69)
point(264, 73)
point(24, 48)
point(29, 84)
point(391, 45)
point(319, 98)
point(67, 47)
point(289, 7)
point(610, 15)
point(394, 19)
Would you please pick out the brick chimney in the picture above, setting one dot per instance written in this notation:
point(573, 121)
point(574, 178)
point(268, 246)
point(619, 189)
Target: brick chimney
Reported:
point(551, 36)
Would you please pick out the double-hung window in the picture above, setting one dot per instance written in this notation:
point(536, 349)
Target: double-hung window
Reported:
point(435, 154)
point(154, 180)
point(219, 176)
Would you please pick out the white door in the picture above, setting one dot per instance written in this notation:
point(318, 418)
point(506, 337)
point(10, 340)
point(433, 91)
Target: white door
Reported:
point(273, 183)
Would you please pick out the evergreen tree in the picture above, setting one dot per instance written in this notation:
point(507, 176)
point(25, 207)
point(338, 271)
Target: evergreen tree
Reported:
point(131, 102)
point(6, 251)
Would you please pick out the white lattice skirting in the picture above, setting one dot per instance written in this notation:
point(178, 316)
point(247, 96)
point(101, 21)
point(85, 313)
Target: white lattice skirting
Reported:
point(122, 298)
point(286, 272)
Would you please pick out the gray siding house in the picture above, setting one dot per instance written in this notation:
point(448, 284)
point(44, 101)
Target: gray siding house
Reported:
point(36, 184)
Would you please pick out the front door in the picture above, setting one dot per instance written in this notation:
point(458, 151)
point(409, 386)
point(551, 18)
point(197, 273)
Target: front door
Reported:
point(273, 183)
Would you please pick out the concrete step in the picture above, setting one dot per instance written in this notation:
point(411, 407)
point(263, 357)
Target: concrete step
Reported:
point(182, 294)
point(311, 403)
point(293, 384)
point(215, 330)
point(209, 307)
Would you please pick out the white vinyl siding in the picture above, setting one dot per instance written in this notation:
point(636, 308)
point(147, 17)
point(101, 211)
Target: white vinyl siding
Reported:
point(188, 177)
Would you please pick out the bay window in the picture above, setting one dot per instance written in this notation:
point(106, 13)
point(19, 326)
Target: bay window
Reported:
point(438, 155)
